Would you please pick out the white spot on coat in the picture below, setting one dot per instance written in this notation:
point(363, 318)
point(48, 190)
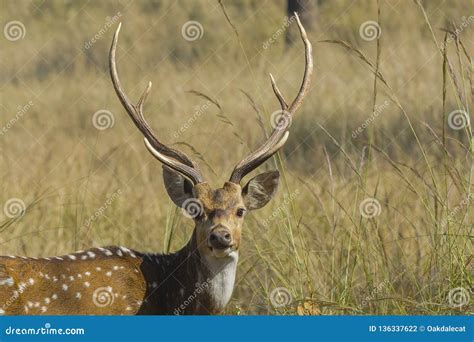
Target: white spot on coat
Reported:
point(106, 251)
point(7, 281)
point(126, 250)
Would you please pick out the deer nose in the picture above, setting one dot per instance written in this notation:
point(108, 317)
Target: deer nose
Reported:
point(220, 238)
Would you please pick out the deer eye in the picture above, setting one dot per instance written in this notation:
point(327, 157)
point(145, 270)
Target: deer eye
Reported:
point(240, 212)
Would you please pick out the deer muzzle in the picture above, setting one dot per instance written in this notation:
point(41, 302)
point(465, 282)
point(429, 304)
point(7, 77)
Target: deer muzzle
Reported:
point(220, 241)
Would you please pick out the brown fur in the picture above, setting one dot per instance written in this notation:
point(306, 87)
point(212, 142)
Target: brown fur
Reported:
point(38, 285)
point(219, 207)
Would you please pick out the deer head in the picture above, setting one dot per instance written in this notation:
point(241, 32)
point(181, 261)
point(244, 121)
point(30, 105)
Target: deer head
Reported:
point(219, 213)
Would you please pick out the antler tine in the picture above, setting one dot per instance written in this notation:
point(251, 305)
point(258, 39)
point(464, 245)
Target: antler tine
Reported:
point(280, 133)
point(308, 68)
point(175, 159)
point(142, 100)
point(307, 73)
point(281, 99)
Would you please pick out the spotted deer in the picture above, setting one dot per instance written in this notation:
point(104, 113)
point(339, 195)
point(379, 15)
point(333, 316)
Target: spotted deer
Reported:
point(199, 278)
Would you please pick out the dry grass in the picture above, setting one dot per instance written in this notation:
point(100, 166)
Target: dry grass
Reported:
point(316, 244)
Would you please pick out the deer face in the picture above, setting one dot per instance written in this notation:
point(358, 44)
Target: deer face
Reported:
point(219, 213)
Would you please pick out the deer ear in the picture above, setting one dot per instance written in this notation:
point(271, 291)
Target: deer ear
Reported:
point(178, 187)
point(260, 189)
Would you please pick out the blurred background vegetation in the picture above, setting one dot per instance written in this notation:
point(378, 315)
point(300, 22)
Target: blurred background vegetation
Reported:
point(317, 245)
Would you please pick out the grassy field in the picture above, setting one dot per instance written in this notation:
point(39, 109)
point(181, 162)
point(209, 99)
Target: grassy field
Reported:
point(374, 215)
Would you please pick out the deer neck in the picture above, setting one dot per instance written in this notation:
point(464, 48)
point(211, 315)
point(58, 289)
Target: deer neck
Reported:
point(192, 283)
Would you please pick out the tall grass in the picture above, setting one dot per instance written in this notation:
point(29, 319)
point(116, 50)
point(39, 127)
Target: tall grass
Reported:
point(312, 240)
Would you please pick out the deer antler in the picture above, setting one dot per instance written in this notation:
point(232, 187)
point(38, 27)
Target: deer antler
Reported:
point(175, 159)
point(280, 133)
